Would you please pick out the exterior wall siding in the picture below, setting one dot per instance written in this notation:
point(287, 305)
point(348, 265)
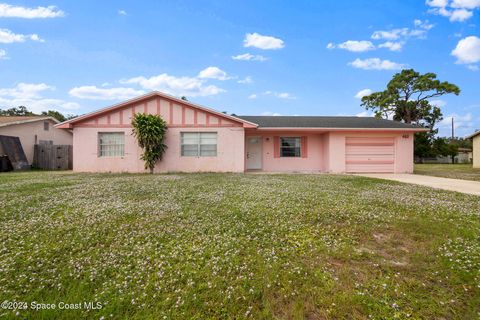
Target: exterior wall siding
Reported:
point(175, 114)
point(326, 150)
point(476, 151)
point(403, 150)
point(27, 132)
point(313, 162)
point(180, 118)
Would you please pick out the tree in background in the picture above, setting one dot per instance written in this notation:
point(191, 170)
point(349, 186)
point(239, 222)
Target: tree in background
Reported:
point(57, 115)
point(150, 132)
point(23, 111)
point(443, 147)
point(407, 99)
point(19, 111)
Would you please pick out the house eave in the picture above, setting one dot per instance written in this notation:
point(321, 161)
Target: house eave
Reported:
point(69, 124)
point(29, 121)
point(340, 129)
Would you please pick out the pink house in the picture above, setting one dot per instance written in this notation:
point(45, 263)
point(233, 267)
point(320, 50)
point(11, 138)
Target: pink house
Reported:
point(202, 139)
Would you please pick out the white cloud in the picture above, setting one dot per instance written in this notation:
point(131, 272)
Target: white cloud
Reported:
point(392, 46)
point(9, 11)
point(467, 50)
point(280, 95)
point(249, 57)
point(262, 42)
point(473, 67)
point(213, 73)
point(94, 93)
point(395, 34)
point(438, 103)
point(122, 12)
point(3, 55)
point(362, 93)
point(460, 15)
point(364, 114)
point(375, 64)
point(252, 96)
point(437, 3)
point(30, 96)
point(7, 36)
point(466, 4)
point(25, 90)
point(456, 10)
point(353, 46)
point(269, 113)
point(464, 123)
point(246, 80)
point(179, 86)
point(423, 24)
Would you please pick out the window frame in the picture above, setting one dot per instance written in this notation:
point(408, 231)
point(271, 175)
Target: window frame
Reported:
point(299, 155)
point(99, 144)
point(46, 126)
point(199, 144)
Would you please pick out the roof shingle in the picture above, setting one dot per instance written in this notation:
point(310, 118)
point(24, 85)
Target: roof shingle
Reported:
point(8, 120)
point(343, 122)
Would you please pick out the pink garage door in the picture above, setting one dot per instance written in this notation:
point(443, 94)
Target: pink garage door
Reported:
point(369, 154)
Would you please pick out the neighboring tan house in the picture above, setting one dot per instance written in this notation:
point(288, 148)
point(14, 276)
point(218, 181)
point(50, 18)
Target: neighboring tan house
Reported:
point(202, 139)
point(476, 148)
point(33, 130)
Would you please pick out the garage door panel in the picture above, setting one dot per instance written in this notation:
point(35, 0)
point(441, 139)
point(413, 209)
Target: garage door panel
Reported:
point(372, 157)
point(352, 150)
point(369, 154)
point(380, 168)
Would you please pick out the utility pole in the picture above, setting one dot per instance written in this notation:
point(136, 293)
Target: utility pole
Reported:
point(453, 130)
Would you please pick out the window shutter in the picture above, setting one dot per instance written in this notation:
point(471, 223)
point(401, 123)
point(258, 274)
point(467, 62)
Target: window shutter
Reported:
point(304, 149)
point(276, 147)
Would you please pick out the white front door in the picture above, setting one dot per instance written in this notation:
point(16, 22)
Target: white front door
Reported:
point(254, 153)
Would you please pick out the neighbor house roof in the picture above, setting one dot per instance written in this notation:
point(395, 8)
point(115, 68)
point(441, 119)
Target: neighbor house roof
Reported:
point(145, 97)
point(12, 120)
point(476, 133)
point(324, 122)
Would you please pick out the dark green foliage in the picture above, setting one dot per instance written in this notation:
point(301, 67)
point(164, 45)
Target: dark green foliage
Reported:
point(57, 115)
point(20, 111)
point(443, 147)
point(407, 99)
point(23, 111)
point(150, 132)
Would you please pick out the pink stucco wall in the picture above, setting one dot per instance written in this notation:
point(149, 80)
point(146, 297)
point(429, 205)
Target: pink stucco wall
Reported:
point(335, 149)
point(313, 162)
point(230, 152)
point(179, 118)
point(326, 150)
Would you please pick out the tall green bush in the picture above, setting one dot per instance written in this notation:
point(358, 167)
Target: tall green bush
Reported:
point(150, 130)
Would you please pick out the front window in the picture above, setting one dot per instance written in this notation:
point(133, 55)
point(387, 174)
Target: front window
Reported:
point(199, 144)
point(46, 125)
point(290, 147)
point(111, 144)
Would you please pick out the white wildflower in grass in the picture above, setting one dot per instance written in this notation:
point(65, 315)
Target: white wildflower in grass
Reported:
point(181, 246)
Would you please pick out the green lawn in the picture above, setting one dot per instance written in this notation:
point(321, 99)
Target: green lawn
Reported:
point(236, 246)
point(454, 171)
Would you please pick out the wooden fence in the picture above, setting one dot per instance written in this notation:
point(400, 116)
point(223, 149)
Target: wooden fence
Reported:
point(53, 157)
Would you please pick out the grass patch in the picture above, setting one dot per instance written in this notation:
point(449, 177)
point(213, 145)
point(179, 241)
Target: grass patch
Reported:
point(453, 171)
point(236, 246)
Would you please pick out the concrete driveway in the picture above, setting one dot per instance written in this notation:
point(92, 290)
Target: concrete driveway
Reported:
point(464, 186)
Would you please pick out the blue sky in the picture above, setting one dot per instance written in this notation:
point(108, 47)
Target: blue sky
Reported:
point(245, 57)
